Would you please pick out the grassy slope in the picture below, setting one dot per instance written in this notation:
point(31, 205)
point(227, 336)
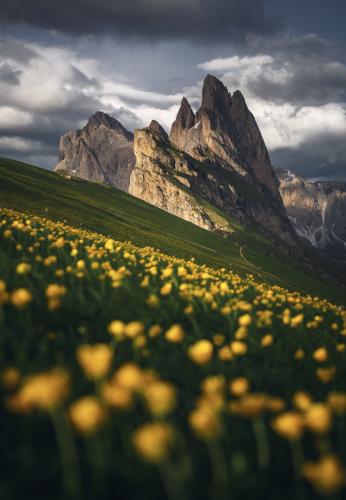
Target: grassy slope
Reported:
point(113, 212)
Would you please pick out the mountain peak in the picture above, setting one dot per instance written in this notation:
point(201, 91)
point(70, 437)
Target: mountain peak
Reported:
point(157, 128)
point(215, 96)
point(100, 118)
point(184, 121)
point(185, 117)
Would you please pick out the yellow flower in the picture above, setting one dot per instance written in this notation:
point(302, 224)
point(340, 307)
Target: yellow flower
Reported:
point(241, 333)
point(337, 401)
point(302, 400)
point(245, 320)
point(117, 329)
point(218, 339)
point(327, 476)
point(238, 348)
point(181, 271)
point(289, 425)
point(205, 422)
point(225, 353)
point(320, 355)
point(134, 329)
point(326, 375)
point(175, 334)
point(299, 354)
point(318, 418)
point(87, 414)
point(23, 268)
point(297, 320)
point(43, 391)
point(130, 376)
point(160, 397)
point(250, 405)
point(201, 351)
point(153, 301)
point(213, 384)
point(267, 340)
point(109, 245)
point(166, 289)
point(80, 264)
point(21, 297)
point(95, 360)
point(116, 395)
point(239, 386)
point(53, 293)
point(154, 331)
point(153, 441)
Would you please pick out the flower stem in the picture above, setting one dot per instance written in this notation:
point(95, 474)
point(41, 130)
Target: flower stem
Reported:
point(67, 452)
point(262, 443)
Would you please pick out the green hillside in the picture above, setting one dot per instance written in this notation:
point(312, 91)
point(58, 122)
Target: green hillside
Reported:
point(112, 212)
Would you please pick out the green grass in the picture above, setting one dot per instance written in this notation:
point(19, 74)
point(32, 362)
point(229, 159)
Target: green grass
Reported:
point(115, 213)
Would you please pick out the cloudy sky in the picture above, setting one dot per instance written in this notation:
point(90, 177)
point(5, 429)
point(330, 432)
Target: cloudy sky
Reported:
point(60, 61)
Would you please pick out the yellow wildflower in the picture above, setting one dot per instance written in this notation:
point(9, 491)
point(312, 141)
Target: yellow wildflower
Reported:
point(87, 414)
point(95, 360)
point(153, 441)
point(201, 351)
point(175, 334)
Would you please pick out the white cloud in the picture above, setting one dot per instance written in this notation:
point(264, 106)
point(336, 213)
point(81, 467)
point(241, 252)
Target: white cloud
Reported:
point(18, 144)
point(11, 118)
point(236, 63)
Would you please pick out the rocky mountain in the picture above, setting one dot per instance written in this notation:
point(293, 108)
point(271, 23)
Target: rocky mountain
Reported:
point(217, 156)
point(101, 152)
point(317, 211)
point(212, 168)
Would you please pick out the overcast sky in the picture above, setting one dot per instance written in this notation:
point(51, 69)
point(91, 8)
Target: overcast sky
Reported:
point(61, 61)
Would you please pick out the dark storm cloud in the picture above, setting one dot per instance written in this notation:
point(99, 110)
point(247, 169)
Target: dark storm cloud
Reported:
point(313, 70)
point(305, 84)
point(323, 156)
point(9, 75)
point(152, 19)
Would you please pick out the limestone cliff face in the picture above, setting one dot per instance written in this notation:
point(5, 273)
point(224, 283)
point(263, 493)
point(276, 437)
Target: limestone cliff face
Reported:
point(173, 180)
point(163, 177)
point(101, 152)
point(317, 211)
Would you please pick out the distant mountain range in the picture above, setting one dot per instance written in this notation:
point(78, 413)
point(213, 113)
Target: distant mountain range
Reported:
point(213, 168)
point(317, 211)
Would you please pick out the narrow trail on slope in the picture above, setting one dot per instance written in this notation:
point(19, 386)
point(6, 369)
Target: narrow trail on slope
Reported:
point(258, 269)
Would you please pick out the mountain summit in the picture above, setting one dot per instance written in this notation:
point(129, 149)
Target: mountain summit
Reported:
point(102, 151)
point(224, 130)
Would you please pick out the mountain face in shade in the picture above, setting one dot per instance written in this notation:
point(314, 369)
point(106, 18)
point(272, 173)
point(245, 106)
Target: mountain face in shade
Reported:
point(317, 211)
point(101, 152)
